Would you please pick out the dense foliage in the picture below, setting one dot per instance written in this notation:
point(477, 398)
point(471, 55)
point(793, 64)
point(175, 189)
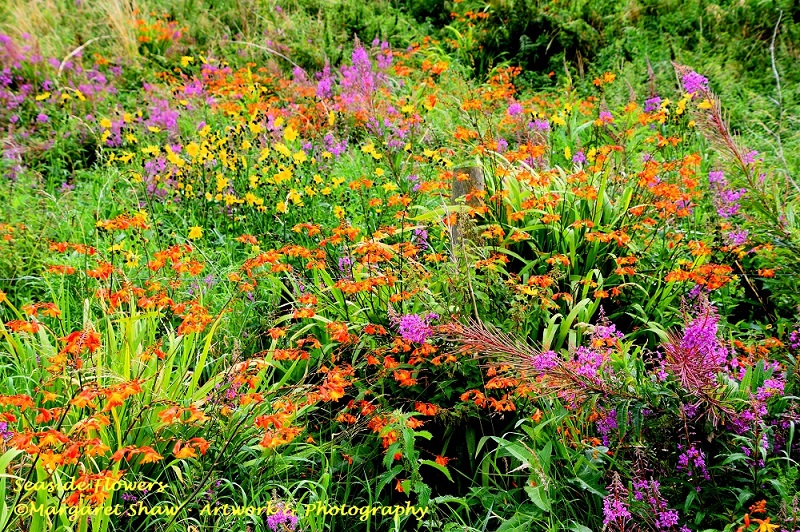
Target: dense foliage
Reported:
point(249, 260)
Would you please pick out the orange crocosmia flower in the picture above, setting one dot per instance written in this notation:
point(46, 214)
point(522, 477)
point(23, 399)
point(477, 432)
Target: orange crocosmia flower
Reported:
point(277, 332)
point(195, 414)
point(149, 455)
point(50, 460)
point(403, 376)
point(247, 239)
point(22, 401)
point(180, 452)
point(103, 271)
point(426, 409)
point(442, 460)
point(71, 454)
point(414, 423)
point(73, 499)
point(45, 415)
point(95, 447)
point(344, 417)
point(78, 341)
point(52, 438)
point(31, 327)
point(304, 313)
point(171, 414)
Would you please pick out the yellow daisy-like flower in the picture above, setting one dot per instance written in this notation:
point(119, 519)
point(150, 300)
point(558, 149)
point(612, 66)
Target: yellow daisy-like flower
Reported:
point(195, 233)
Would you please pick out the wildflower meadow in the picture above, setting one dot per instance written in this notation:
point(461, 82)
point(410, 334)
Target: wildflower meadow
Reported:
point(312, 265)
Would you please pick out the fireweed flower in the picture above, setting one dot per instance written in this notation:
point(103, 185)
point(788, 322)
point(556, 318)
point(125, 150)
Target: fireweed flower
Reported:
point(514, 109)
point(794, 339)
point(649, 492)
point(541, 125)
point(421, 238)
point(725, 199)
point(750, 157)
point(325, 82)
point(4, 432)
point(615, 505)
point(282, 517)
point(692, 461)
point(697, 356)
point(606, 425)
point(413, 327)
point(579, 157)
point(694, 82)
point(737, 238)
point(652, 104)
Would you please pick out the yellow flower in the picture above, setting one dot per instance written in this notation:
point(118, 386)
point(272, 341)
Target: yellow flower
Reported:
point(43, 96)
point(289, 134)
point(282, 149)
point(379, 172)
point(185, 60)
point(3, 297)
point(389, 187)
point(105, 122)
point(338, 212)
point(195, 233)
point(300, 157)
point(131, 259)
point(567, 153)
point(192, 149)
point(281, 207)
point(295, 197)
point(284, 175)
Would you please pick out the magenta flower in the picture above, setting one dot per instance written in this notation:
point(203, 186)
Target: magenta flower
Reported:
point(415, 328)
point(694, 82)
point(615, 505)
point(696, 357)
point(514, 109)
point(652, 104)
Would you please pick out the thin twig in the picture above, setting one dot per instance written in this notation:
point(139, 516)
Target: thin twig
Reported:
point(780, 97)
point(78, 50)
point(267, 49)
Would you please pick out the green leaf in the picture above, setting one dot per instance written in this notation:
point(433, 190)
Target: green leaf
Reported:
point(440, 467)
